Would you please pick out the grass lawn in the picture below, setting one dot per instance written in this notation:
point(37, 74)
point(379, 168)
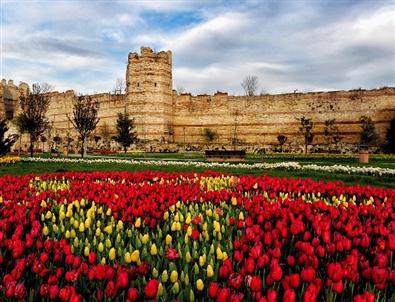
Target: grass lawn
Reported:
point(350, 179)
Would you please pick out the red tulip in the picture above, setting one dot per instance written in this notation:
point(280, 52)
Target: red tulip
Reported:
point(256, 283)
point(151, 288)
point(133, 294)
point(213, 290)
point(122, 279)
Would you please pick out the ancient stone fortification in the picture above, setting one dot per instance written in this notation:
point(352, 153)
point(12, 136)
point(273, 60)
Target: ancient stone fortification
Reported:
point(161, 114)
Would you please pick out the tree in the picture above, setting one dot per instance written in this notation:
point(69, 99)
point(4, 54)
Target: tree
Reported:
point(125, 128)
point(281, 140)
point(6, 142)
point(306, 130)
point(390, 138)
point(34, 107)
point(210, 134)
point(368, 132)
point(250, 85)
point(120, 86)
point(84, 118)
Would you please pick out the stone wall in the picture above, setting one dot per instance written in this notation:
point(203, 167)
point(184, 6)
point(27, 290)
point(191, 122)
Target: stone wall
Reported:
point(260, 119)
point(161, 114)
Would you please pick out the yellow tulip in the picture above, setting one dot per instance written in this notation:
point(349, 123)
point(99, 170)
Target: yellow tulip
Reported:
point(98, 232)
point(67, 235)
point(86, 251)
point(112, 253)
point(154, 250)
point(72, 233)
point(100, 247)
point(166, 215)
point(45, 231)
point(127, 257)
point(135, 256)
point(108, 229)
point(168, 239)
point(189, 231)
point(88, 223)
point(174, 276)
point(210, 271)
point(145, 238)
point(103, 260)
point(199, 284)
point(241, 216)
point(81, 227)
point(201, 261)
point(48, 215)
point(234, 201)
point(137, 224)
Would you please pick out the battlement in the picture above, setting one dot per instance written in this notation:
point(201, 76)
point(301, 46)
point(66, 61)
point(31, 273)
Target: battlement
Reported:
point(148, 55)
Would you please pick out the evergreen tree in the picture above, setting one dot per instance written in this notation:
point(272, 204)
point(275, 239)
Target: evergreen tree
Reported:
point(368, 132)
point(390, 138)
point(126, 134)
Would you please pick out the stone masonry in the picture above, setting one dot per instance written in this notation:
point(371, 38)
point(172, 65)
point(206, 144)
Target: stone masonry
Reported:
point(163, 115)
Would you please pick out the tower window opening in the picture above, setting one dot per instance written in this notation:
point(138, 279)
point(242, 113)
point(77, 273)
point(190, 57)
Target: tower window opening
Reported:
point(155, 84)
point(138, 84)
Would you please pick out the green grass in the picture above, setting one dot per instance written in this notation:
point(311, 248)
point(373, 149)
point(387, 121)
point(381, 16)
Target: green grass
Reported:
point(30, 167)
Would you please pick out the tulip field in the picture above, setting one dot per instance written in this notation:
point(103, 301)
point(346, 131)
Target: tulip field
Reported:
point(119, 236)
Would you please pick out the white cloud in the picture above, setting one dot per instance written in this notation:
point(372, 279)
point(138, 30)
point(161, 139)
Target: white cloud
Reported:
point(288, 45)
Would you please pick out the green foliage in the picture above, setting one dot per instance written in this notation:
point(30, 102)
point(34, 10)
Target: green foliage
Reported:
point(210, 134)
point(368, 132)
point(125, 128)
point(5, 142)
point(390, 138)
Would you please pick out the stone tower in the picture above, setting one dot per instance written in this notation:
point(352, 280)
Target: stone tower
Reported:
point(149, 93)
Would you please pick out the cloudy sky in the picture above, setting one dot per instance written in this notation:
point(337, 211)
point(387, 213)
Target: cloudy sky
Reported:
point(304, 45)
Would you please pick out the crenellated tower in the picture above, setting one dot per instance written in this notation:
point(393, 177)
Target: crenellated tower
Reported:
point(149, 93)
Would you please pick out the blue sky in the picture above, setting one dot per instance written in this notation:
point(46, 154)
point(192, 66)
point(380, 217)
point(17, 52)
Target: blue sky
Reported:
point(305, 45)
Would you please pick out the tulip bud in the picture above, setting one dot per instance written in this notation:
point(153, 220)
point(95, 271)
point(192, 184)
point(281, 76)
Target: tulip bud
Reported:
point(210, 271)
point(165, 276)
point(155, 273)
point(100, 247)
point(135, 256)
point(45, 230)
point(196, 269)
point(168, 239)
point(241, 215)
point(154, 250)
point(188, 257)
point(127, 257)
point(199, 285)
point(145, 238)
point(86, 251)
point(81, 227)
point(160, 290)
point(137, 224)
point(112, 253)
point(201, 261)
point(174, 276)
point(176, 288)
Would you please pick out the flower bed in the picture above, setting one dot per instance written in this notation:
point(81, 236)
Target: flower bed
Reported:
point(9, 159)
point(375, 171)
point(142, 236)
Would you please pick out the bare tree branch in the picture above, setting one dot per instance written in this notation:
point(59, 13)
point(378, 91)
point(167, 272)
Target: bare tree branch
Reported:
point(250, 85)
